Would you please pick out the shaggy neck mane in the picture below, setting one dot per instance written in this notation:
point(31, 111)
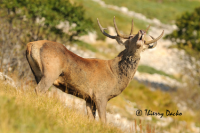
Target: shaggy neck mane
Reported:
point(128, 64)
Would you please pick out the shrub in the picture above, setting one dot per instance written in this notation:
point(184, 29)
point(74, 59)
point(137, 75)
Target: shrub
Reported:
point(188, 32)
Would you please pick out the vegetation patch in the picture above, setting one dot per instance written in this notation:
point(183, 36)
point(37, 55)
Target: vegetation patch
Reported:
point(164, 10)
point(188, 31)
point(25, 112)
point(151, 70)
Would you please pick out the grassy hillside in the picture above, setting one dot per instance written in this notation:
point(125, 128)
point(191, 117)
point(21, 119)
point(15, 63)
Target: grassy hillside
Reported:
point(164, 10)
point(94, 11)
point(21, 111)
point(24, 112)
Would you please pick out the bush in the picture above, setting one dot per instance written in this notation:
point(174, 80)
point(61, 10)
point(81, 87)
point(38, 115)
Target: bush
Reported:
point(188, 32)
point(50, 12)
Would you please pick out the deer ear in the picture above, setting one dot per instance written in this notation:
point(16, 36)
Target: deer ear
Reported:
point(119, 40)
point(123, 43)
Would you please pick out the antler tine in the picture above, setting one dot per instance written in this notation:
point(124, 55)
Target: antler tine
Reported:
point(102, 30)
point(147, 29)
point(118, 33)
point(154, 45)
point(154, 40)
point(132, 25)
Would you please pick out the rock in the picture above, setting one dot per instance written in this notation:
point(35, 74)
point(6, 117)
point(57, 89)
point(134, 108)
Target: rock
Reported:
point(124, 9)
point(7, 79)
point(156, 21)
point(89, 38)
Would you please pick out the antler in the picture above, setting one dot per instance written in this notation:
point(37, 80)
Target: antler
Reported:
point(147, 28)
point(154, 40)
point(132, 25)
point(128, 36)
point(118, 33)
point(102, 30)
point(116, 29)
point(154, 45)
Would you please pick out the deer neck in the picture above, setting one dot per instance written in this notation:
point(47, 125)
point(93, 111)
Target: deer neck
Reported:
point(124, 66)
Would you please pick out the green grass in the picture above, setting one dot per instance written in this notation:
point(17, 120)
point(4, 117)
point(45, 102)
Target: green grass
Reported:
point(166, 11)
point(151, 70)
point(24, 112)
point(105, 16)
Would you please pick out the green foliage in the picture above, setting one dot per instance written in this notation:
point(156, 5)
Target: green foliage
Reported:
point(164, 10)
point(188, 32)
point(52, 12)
point(151, 70)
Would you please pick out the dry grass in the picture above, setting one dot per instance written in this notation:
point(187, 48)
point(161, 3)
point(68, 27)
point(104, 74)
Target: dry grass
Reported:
point(21, 111)
point(24, 112)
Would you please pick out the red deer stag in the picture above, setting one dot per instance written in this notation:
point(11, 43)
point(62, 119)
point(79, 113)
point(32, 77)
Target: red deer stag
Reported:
point(95, 80)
